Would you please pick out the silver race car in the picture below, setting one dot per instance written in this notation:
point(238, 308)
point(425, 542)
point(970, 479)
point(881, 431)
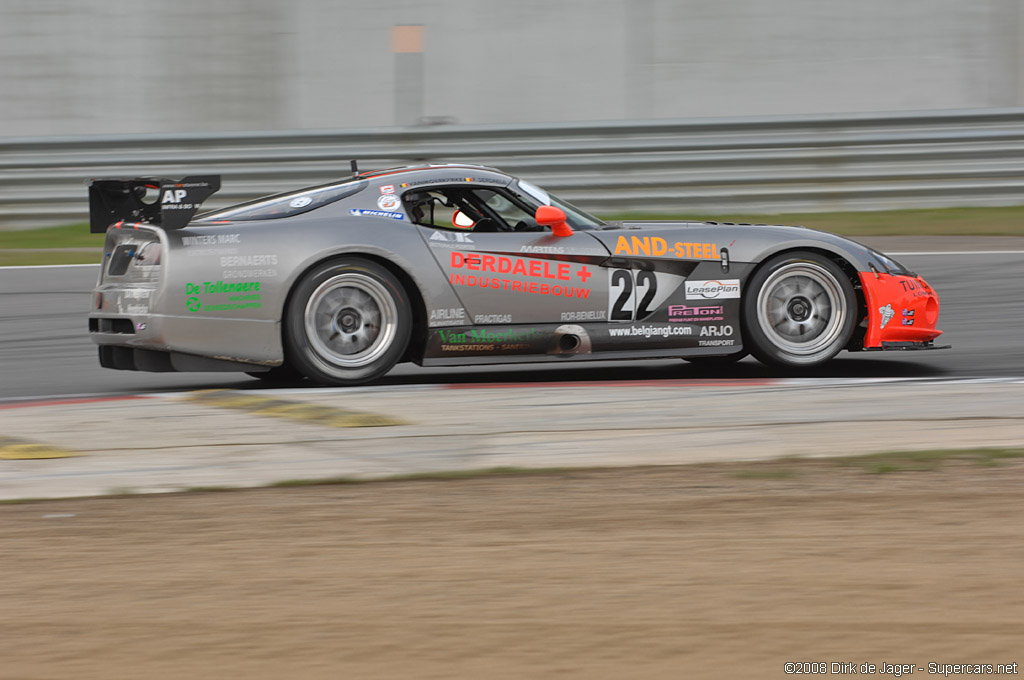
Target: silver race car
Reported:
point(449, 265)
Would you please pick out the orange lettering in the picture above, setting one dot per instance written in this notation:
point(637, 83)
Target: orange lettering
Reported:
point(642, 245)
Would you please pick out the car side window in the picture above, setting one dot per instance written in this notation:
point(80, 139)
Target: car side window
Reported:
point(437, 208)
point(462, 209)
point(513, 217)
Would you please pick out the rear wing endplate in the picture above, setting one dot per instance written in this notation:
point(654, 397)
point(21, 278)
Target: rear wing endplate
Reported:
point(114, 200)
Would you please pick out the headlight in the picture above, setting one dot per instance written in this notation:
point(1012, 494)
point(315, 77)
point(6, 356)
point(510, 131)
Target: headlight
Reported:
point(890, 265)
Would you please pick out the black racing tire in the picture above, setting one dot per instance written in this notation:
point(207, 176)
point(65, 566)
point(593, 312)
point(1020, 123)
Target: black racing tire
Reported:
point(348, 322)
point(718, 360)
point(279, 375)
point(799, 310)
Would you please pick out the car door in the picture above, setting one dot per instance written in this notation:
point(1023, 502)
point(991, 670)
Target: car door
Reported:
point(504, 268)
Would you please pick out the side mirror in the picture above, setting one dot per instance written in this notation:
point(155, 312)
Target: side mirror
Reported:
point(550, 216)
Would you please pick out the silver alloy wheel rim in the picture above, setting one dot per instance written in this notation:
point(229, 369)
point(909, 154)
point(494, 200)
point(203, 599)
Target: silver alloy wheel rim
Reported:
point(351, 320)
point(801, 309)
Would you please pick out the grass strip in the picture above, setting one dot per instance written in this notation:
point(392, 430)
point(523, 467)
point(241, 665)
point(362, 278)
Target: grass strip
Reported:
point(910, 461)
point(767, 473)
point(999, 221)
point(67, 236)
point(439, 476)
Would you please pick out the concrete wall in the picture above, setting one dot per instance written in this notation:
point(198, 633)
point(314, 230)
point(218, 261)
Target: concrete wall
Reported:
point(111, 66)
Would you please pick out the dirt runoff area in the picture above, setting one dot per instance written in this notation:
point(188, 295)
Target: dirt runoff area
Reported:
point(722, 571)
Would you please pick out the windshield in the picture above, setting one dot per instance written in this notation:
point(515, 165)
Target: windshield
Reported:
point(576, 218)
point(286, 205)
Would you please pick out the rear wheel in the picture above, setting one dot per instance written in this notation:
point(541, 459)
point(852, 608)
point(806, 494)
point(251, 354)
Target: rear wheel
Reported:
point(349, 321)
point(799, 310)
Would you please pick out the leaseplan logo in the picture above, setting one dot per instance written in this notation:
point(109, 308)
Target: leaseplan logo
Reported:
point(713, 290)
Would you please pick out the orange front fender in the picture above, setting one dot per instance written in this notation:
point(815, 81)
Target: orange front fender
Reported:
point(900, 309)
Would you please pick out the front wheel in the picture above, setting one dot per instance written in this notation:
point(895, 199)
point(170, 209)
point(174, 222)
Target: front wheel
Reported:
point(348, 322)
point(799, 310)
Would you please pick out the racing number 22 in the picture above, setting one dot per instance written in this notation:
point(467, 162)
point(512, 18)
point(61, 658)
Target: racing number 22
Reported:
point(625, 286)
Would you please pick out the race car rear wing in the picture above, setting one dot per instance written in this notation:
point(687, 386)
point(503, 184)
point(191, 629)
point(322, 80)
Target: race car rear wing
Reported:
point(114, 200)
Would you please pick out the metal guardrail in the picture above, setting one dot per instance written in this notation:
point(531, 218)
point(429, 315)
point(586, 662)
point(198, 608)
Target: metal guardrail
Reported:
point(737, 165)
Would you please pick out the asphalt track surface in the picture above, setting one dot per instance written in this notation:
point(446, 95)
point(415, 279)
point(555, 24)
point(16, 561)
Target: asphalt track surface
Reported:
point(45, 349)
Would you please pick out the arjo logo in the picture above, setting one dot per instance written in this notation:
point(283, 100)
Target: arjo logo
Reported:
point(714, 289)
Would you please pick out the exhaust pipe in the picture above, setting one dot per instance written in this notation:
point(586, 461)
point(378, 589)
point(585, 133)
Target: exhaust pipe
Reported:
point(570, 339)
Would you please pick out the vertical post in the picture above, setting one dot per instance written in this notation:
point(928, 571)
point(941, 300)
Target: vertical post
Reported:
point(639, 86)
point(1018, 54)
point(1006, 77)
point(407, 46)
